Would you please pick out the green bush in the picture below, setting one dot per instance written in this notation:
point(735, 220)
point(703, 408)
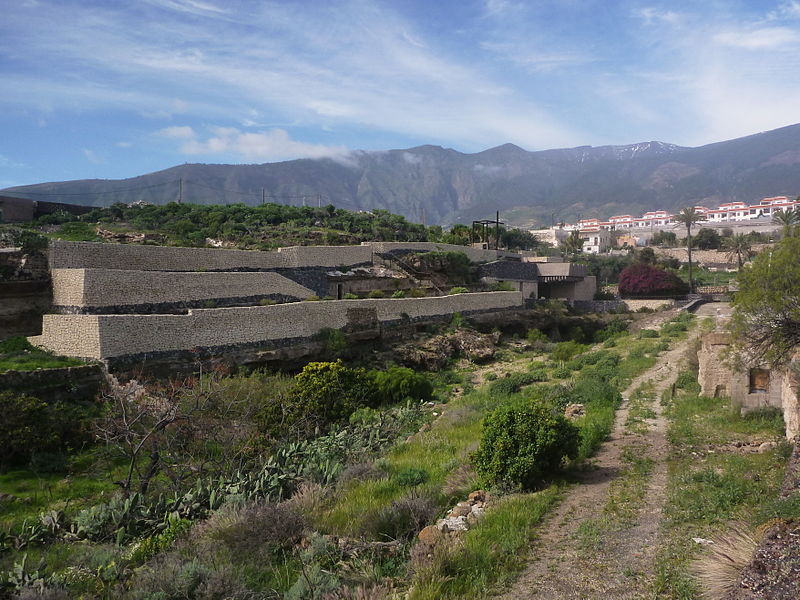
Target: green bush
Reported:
point(537, 335)
point(350, 296)
point(458, 290)
point(267, 302)
point(561, 372)
point(490, 376)
point(395, 384)
point(503, 286)
point(417, 293)
point(376, 294)
point(523, 442)
point(564, 351)
point(399, 294)
point(327, 392)
point(648, 334)
point(30, 427)
point(513, 382)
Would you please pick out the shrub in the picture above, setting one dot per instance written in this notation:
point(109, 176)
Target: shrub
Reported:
point(398, 383)
point(458, 290)
point(30, 426)
point(257, 528)
point(561, 372)
point(503, 286)
point(376, 294)
point(563, 351)
point(334, 339)
point(404, 518)
point(537, 335)
point(267, 302)
point(648, 333)
point(399, 294)
point(313, 299)
point(411, 477)
point(513, 382)
point(417, 293)
point(490, 376)
point(350, 296)
point(522, 442)
point(640, 279)
point(327, 392)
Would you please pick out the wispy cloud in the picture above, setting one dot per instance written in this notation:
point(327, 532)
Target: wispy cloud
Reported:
point(93, 157)
point(765, 38)
point(275, 144)
point(353, 64)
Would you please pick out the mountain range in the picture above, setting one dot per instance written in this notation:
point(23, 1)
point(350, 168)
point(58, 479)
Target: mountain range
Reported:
point(444, 186)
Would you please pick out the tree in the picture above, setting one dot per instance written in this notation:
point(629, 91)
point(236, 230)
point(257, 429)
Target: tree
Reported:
point(689, 217)
point(766, 316)
point(738, 246)
point(573, 243)
point(664, 238)
point(644, 280)
point(788, 219)
point(707, 239)
point(518, 239)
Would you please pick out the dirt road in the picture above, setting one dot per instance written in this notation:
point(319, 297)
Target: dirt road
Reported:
point(600, 543)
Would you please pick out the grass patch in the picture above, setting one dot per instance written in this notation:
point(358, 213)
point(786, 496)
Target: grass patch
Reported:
point(708, 489)
point(490, 555)
point(17, 354)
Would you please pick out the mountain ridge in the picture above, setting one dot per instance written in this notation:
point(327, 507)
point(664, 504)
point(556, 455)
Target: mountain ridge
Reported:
point(447, 186)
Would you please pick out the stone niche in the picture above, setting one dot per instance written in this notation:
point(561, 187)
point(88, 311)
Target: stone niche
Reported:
point(754, 388)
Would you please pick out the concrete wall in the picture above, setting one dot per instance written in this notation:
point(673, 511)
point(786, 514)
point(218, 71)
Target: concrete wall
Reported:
point(585, 288)
point(104, 287)
point(15, 210)
point(77, 255)
point(634, 305)
point(103, 336)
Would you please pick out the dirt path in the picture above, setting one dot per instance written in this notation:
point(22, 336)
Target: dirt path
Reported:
point(584, 551)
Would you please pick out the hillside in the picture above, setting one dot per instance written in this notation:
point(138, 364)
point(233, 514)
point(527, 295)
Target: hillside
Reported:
point(440, 185)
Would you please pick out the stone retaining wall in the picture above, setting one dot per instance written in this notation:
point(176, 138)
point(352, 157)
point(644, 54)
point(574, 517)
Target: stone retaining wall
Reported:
point(68, 383)
point(78, 288)
point(474, 254)
point(634, 305)
point(78, 255)
point(103, 336)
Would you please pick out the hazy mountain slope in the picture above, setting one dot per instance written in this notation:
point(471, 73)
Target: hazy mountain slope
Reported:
point(448, 186)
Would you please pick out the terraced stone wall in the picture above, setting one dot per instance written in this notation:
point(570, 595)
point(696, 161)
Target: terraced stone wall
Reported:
point(104, 336)
point(117, 291)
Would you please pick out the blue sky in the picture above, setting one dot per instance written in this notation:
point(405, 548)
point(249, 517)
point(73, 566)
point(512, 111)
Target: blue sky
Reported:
point(111, 89)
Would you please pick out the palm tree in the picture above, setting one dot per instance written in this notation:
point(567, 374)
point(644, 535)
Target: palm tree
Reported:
point(788, 219)
point(573, 243)
point(688, 217)
point(738, 245)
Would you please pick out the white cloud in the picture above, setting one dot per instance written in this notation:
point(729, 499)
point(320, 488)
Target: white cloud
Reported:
point(93, 157)
point(123, 144)
point(652, 16)
point(271, 145)
point(767, 38)
point(178, 132)
point(7, 163)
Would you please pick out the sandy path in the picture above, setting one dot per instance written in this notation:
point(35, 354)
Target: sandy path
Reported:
point(620, 565)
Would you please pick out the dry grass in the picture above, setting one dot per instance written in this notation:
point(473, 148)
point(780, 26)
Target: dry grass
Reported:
point(719, 569)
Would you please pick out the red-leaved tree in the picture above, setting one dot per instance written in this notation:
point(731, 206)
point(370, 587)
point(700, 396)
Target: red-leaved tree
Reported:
point(640, 279)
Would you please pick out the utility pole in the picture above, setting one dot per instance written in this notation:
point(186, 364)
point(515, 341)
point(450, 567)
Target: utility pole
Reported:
point(180, 190)
point(497, 232)
point(263, 196)
point(319, 200)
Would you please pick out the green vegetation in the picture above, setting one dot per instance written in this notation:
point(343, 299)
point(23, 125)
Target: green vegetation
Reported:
point(265, 227)
point(17, 354)
point(766, 317)
point(522, 443)
point(492, 553)
point(712, 483)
